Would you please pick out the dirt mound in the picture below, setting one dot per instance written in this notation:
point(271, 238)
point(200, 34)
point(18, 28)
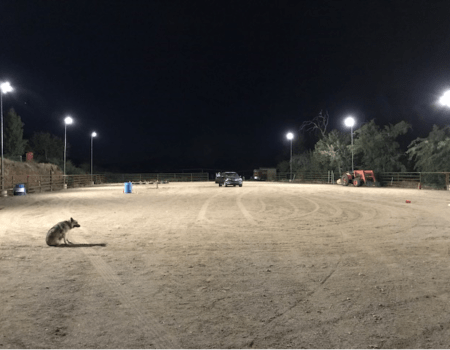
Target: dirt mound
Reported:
point(21, 170)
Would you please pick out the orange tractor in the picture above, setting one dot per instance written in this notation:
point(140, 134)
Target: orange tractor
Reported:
point(359, 178)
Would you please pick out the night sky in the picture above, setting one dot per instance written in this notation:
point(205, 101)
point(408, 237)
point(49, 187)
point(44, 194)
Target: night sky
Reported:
point(179, 85)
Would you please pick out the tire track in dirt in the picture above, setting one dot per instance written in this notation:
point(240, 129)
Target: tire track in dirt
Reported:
point(244, 211)
point(149, 325)
point(288, 314)
point(390, 264)
point(201, 217)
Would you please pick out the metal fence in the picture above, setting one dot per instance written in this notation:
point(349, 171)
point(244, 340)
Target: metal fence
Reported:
point(421, 180)
point(51, 182)
point(153, 177)
point(308, 177)
point(425, 180)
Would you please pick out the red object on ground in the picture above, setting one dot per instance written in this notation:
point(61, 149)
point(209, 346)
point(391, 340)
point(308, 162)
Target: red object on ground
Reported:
point(407, 201)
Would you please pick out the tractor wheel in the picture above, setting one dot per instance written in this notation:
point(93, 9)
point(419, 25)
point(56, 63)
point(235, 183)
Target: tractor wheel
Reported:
point(357, 182)
point(344, 180)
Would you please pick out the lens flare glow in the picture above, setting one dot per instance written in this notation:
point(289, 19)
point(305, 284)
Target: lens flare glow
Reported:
point(445, 99)
point(349, 121)
point(6, 87)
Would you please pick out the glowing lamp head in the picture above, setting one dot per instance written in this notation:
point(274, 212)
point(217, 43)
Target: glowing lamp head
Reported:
point(94, 134)
point(6, 87)
point(445, 99)
point(289, 136)
point(68, 120)
point(349, 121)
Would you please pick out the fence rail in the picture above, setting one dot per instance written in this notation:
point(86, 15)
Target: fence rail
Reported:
point(51, 182)
point(160, 177)
point(425, 180)
point(308, 177)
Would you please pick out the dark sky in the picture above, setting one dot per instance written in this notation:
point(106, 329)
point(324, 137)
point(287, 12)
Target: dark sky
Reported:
point(171, 85)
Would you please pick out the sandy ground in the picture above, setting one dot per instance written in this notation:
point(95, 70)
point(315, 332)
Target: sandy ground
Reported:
point(195, 265)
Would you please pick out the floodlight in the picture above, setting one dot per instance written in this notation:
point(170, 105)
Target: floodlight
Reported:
point(349, 121)
point(6, 87)
point(445, 99)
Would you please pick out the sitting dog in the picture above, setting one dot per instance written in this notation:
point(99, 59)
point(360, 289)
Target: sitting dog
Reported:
point(58, 233)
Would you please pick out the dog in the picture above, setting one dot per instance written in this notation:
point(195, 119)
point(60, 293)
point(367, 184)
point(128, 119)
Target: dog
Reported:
point(58, 233)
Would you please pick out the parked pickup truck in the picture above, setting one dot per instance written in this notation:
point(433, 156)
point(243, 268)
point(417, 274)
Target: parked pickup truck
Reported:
point(228, 178)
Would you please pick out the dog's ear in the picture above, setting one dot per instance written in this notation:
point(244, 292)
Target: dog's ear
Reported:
point(71, 220)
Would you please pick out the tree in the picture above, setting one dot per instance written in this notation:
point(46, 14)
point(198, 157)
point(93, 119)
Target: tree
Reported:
point(431, 153)
point(47, 148)
point(332, 151)
point(301, 163)
point(71, 169)
point(318, 123)
point(377, 149)
point(14, 144)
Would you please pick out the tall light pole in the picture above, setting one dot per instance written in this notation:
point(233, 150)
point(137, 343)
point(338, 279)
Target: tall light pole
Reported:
point(4, 88)
point(349, 121)
point(92, 152)
point(290, 136)
point(67, 120)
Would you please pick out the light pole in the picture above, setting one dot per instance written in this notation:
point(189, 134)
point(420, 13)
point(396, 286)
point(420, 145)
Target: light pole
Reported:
point(92, 152)
point(4, 88)
point(349, 121)
point(290, 136)
point(67, 120)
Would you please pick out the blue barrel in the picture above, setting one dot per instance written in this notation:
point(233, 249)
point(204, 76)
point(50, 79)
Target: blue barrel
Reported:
point(19, 190)
point(128, 187)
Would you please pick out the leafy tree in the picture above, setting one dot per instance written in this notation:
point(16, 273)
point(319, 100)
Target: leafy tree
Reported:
point(14, 144)
point(376, 147)
point(283, 166)
point(431, 153)
point(47, 148)
point(71, 169)
point(301, 163)
point(306, 162)
point(332, 151)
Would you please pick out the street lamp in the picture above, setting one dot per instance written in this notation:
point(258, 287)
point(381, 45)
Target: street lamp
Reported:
point(290, 136)
point(349, 122)
point(92, 152)
point(67, 120)
point(445, 99)
point(4, 88)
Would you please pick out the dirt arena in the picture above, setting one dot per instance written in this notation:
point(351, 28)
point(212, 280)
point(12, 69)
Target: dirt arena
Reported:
point(195, 265)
